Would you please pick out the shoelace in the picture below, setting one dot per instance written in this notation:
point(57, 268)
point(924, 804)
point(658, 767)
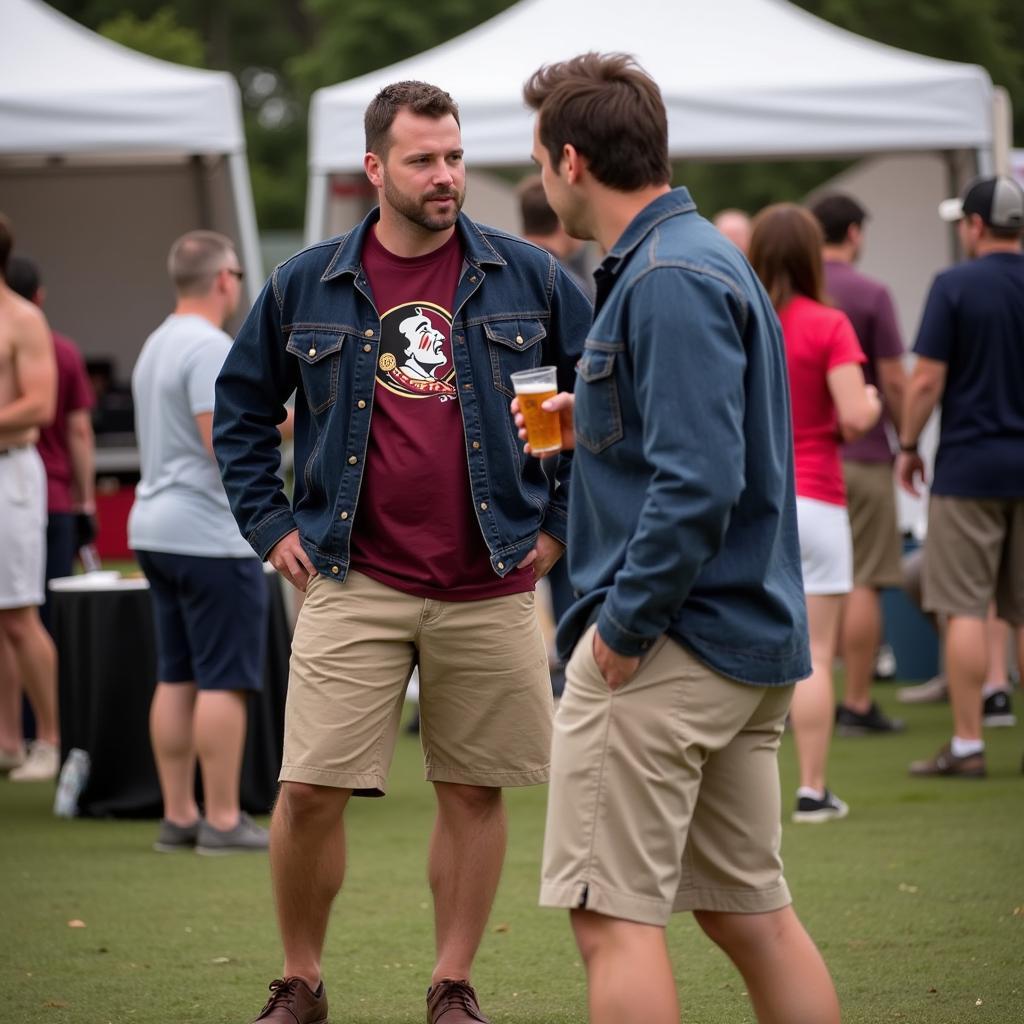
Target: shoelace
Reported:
point(457, 995)
point(280, 989)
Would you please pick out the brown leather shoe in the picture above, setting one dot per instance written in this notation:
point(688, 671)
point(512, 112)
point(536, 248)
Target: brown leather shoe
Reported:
point(292, 1001)
point(453, 1002)
point(945, 762)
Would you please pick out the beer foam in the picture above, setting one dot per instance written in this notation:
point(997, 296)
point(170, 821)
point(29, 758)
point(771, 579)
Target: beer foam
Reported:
point(536, 389)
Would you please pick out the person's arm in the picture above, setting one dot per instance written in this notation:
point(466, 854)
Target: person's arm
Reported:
point(688, 360)
point(35, 373)
point(255, 380)
point(924, 390)
point(204, 424)
point(82, 451)
point(892, 382)
point(857, 404)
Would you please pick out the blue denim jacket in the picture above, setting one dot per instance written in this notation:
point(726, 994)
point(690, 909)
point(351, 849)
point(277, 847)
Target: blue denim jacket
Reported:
point(683, 508)
point(315, 330)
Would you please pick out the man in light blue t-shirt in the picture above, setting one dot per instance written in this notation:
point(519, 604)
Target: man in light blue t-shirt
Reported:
point(209, 594)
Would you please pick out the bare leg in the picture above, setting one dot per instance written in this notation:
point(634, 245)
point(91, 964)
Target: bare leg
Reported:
point(629, 974)
point(219, 726)
point(307, 865)
point(812, 711)
point(10, 699)
point(467, 850)
point(36, 661)
point(170, 732)
point(786, 977)
point(966, 663)
point(998, 672)
point(861, 633)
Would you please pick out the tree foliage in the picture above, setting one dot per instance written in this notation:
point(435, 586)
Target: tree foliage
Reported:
point(282, 50)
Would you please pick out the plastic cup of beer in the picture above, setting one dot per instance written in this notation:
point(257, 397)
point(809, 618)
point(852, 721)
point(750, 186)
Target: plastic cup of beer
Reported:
point(543, 429)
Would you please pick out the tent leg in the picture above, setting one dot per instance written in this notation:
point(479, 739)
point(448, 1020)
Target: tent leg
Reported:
point(316, 208)
point(248, 237)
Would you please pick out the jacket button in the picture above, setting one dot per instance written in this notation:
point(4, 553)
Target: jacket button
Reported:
point(472, 280)
point(468, 387)
point(335, 570)
point(344, 515)
point(501, 565)
point(367, 348)
point(361, 404)
point(368, 333)
point(483, 506)
point(519, 339)
point(312, 351)
point(476, 444)
point(352, 460)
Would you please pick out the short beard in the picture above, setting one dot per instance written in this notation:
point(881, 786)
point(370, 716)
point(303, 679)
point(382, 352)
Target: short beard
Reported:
point(415, 210)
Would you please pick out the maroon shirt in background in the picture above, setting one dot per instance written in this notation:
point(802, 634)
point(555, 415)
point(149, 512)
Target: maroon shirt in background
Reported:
point(869, 306)
point(74, 392)
point(415, 526)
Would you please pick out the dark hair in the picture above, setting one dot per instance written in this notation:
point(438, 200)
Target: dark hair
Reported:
point(416, 97)
point(835, 213)
point(785, 252)
point(6, 244)
point(534, 209)
point(611, 111)
point(23, 277)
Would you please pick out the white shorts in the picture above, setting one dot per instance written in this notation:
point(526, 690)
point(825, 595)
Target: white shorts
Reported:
point(826, 546)
point(23, 513)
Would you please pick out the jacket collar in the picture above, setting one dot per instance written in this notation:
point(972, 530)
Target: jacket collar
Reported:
point(347, 258)
point(671, 204)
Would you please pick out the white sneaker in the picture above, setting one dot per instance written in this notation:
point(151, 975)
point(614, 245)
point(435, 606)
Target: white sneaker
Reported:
point(935, 691)
point(11, 759)
point(42, 763)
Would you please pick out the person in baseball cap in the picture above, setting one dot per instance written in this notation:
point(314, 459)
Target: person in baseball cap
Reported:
point(997, 200)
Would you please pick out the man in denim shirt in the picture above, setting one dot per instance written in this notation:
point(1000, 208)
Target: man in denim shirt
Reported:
point(417, 540)
point(689, 629)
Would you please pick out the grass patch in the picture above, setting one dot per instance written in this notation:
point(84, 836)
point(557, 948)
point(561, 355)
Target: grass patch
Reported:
point(916, 900)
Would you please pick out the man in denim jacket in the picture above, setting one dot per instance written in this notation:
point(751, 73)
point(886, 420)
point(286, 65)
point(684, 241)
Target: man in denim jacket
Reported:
point(417, 528)
point(689, 629)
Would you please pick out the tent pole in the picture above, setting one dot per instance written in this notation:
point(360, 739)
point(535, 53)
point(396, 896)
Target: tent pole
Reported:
point(316, 207)
point(248, 238)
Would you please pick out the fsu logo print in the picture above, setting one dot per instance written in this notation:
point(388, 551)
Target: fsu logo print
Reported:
point(415, 353)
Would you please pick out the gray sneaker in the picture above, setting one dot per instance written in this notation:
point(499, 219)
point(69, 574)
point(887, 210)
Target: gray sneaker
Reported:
point(173, 838)
point(935, 691)
point(245, 837)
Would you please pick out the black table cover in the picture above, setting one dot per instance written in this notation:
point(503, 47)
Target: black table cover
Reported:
point(105, 643)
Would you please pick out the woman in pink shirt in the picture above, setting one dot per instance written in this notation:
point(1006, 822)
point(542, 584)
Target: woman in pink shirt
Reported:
point(831, 404)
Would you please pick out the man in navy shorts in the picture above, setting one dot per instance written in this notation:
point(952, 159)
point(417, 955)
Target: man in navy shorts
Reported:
point(209, 593)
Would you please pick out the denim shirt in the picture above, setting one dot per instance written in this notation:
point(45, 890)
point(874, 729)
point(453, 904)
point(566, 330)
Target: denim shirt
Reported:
point(314, 330)
point(683, 506)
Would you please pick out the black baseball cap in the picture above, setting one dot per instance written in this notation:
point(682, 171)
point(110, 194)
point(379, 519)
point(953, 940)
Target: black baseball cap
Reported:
point(998, 200)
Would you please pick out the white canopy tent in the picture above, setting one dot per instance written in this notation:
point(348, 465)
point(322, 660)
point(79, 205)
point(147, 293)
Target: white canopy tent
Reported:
point(740, 78)
point(106, 156)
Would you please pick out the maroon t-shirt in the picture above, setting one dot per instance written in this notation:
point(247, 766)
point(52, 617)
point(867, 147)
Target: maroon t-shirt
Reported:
point(869, 306)
point(73, 393)
point(416, 528)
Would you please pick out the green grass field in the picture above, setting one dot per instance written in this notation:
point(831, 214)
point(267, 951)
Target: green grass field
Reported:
point(917, 901)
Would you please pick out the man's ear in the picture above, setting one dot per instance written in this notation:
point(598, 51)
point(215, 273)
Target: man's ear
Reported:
point(372, 165)
point(573, 163)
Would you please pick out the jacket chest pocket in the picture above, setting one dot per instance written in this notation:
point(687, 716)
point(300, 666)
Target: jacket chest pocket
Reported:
point(598, 415)
point(319, 355)
point(513, 345)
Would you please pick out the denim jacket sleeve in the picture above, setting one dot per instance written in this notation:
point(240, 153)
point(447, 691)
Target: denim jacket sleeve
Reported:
point(571, 316)
point(256, 379)
point(686, 349)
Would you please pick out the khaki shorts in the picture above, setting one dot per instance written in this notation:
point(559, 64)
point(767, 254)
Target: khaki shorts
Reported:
point(974, 554)
point(871, 503)
point(485, 691)
point(665, 793)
